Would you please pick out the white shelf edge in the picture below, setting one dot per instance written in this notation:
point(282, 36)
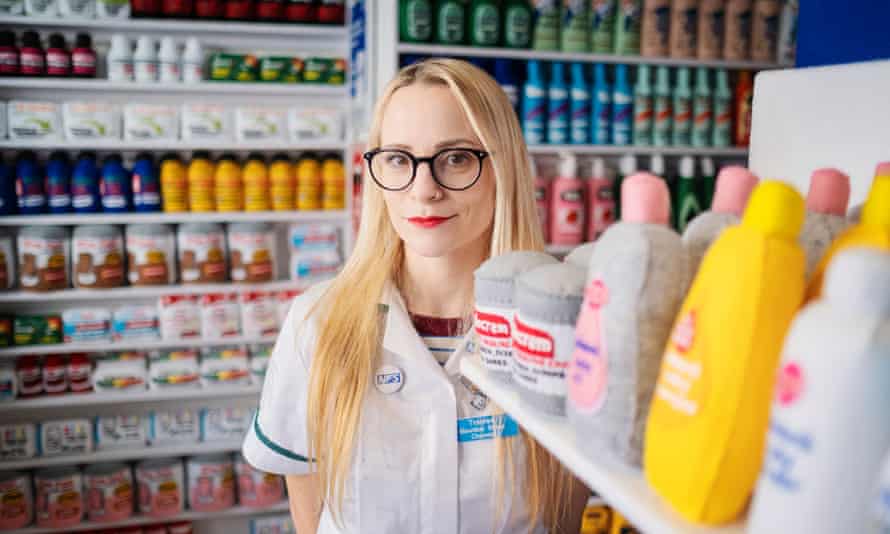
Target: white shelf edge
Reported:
point(613, 150)
point(73, 400)
point(207, 87)
point(174, 146)
point(624, 488)
point(133, 292)
point(70, 348)
point(122, 455)
point(238, 511)
point(512, 53)
point(174, 218)
point(185, 26)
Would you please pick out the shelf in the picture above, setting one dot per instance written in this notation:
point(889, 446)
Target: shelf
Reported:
point(178, 145)
point(208, 87)
point(512, 53)
point(134, 292)
point(73, 400)
point(624, 488)
point(175, 218)
point(612, 150)
point(101, 346)
point(102, 528)
point(183, 26)
point(123, 455)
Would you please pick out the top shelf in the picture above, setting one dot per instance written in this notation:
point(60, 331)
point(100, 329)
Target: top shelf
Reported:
point(512, 53)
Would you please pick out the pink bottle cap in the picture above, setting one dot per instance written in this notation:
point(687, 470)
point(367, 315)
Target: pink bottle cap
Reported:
point(883, 169)
point(829, 192)
point(734, 186)
point(645, 199)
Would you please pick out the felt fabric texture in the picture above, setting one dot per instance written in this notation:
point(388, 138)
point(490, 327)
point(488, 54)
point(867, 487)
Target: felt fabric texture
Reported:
point(495, 278)
point(645, 272)
point(819, 230)
point(702, 231)
point(580, 256)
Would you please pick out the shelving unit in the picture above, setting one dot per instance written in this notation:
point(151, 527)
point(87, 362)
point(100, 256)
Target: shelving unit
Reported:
point(140, 292)
point(175, 218)
point(101, 346)
point(614, 150)
point(121, 145)
point(208, 87)
point(622, 487)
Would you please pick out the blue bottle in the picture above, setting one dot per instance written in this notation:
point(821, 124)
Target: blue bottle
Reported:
point(505, 74)
point(557, 106)
point(114, 185)
point(29, 185)
point(146, 184)
point(85, 184)
point(7, 189)
point(579, 97)
point(534, 105)
point(601, 110)
point(622, 108)
point(58, 183)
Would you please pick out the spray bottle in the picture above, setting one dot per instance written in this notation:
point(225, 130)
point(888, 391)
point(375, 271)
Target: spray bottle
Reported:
point(505, 74)
point(557, 106)
point(602, 26)
point(601, 111)
point(534, 105)
point(702, 111)
point(622, 108)
point(545, 34)
point(662, 116)
point(575, 31)
point(627, 27)
point(722, 111)
point(642, 134)
point(682, 109)
point(580, 106)
point(567, 204)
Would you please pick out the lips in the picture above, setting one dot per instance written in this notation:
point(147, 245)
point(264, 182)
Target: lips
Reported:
point(428, 222)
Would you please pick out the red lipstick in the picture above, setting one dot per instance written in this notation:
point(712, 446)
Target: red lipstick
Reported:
point(428, 222)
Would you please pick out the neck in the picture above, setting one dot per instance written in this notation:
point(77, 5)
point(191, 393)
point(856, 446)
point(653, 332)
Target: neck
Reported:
point(442, 286)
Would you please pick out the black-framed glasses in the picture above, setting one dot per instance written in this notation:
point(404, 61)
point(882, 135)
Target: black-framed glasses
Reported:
point(455, 169)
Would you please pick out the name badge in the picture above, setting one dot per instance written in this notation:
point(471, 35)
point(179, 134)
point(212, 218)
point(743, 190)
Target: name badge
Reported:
point(486, 427)
point(389, 379)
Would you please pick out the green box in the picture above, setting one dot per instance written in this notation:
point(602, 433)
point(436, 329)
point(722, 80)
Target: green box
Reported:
point(37, 329)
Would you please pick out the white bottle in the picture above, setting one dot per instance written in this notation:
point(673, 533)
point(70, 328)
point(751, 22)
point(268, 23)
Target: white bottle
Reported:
point(80, 9)
point(120, 59)
point(168, 62)
point(113, 9)
point(145, 60)
point(828, 422)
point(193, 62)
point(41, 8)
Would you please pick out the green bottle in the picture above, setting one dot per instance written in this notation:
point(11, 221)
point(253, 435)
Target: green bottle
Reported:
point(722, 131)
point(627, 27)
point(451, 22)
point(415, 21)
point(686, 205)
point(485, 23)
point(602, 26)
point(575, 26)
point(702, 112)
point(517, 24)
point(545, 34)
point(643, 108)
point(662, 115)
point(707, 183)
point(682, 107)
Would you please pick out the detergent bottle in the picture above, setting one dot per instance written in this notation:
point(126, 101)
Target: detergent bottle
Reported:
point(202, 194)
point(828, 425)
point(58, 183)
point(579, 98)
point(146, 184)
point(826, 213)
point(114, 185)
point(85, 184)
point(873, 229)
point(709, 415)
point(283, 184)
point(255, 177)
point(228, 184)
point(734, 186)
point(636, 280)
point(174, 184)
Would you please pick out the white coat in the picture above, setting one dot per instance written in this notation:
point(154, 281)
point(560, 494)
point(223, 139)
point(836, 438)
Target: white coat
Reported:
point(425, 457)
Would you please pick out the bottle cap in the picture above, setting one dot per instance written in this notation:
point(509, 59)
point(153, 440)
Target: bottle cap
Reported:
point(707, 166)
point(776, 209)
point(568, 165)
point(645, 199)
point(656, 164)
point(860, 276)
point(876, 210)
point(599, 168)
point(7, 38)
point(627, 165)
point(734, 186)
point(83, 40)
point(687, 167)
point(829, 192)
point(31, 39)
point(57, 40)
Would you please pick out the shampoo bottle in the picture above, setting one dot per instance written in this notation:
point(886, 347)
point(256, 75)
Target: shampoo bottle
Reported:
point(686, 206)
point(682, 108)
point(451, 18)
point(642, 134)
point(602, 26)
point(485, 23)
point(684, 23)
point(622, 108)
point(517, 24)
point(663, 115)
point(601, 110)
point(656, 28)
point(627, 27)
point(415, 21)
point(702, 110)
point(579, 97)
point(567, 204)
point(557, 106)
point(709, 415)
point(545, 29)
point(534, 105)
point(575, 28)
point(636, 279)
point(826, 213)
point(600, 200)
point(722, 111)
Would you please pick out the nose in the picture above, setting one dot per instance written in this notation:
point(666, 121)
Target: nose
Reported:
point(425, 188)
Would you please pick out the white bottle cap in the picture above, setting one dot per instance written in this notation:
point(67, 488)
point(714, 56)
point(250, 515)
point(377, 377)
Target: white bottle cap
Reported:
point(192, 46)
point(145, 46)
point(707, 167)
point(687, 167)
point(599, 168)
point(168, 47)
point(627, 165)
point(568, 165)
point(860, 277)
point(656, 165)
point(120, 43)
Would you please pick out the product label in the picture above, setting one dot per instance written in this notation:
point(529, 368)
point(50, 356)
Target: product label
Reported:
point(42, 263)
point(211, 486)
point(450, 23)
point(59, 500)
point(661, 128)
point(682, 120)
point(680, 384)
point(202, 257)
point(569, 215)
point(517, 27)
point(542, 353)
point(160, 490)
point(110, 497)
point(486, 29)
point(486, 427)
point(589, 370)
point(643, 120)
point(252, 256)
point(418, 20)
point(495, 339)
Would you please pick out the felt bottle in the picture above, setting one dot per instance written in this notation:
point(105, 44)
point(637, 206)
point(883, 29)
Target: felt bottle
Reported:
point(828, 422)
point(567, 204)
point(636, 279)
point(547, 299)
point(873, 229)
point(826, 213)
point(494, 285)
point(710, 412)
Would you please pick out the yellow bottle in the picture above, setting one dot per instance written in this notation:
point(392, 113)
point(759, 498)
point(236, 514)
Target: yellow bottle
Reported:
point(174, 184)
point(201, 189)
point(597, 518)
point(228, 187)
point(309, 183)
point(872, 231)
point(620, 525)
point(707, 425)
point(256, 184)
point(333, 176)
point(283, 187)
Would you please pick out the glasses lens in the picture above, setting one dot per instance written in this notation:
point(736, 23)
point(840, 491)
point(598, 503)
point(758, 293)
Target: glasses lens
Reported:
point(392, 168)
point(457, 169)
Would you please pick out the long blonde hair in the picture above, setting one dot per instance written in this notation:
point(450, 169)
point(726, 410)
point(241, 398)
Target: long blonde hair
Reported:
point(350, 330)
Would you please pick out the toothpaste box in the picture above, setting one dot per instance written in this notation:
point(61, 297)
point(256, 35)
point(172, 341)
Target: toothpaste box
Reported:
point(151, 122)
point(135, 323)
point(258, 123)
point(314, 124)
point(224, 366)
point(34, 121)
point(18, 441)
point(225, 423)
point(86, 324)
point(125, 371)
point(173, 426)
point(206, 122)
point(65, 436)
point(121, 431)
point(173, 369)
point(180, 316)
point(91, 121)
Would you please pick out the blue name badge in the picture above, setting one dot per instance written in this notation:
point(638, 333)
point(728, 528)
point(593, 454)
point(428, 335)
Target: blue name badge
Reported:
point(486, 427)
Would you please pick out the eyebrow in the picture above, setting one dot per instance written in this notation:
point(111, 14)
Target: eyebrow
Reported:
point(462, 141)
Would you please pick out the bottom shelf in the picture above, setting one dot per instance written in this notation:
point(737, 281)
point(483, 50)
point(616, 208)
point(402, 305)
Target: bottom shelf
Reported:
point(238, 511)
point(622, 487)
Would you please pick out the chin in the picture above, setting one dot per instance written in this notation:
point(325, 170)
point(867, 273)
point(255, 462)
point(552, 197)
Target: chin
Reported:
point(430, 247)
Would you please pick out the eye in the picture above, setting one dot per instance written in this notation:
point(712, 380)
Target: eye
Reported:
point(457, 159)
point(395, 160)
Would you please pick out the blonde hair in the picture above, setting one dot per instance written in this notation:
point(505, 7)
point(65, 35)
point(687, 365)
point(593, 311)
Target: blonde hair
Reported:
point(350, 330)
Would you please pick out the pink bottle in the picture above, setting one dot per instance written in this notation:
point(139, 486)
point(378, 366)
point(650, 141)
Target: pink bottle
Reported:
point(826, 213)
point(600, 201)
point(567, 204)
point(542, 200)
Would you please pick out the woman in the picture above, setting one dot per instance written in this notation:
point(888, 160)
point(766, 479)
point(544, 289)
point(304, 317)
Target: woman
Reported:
point(399, 442)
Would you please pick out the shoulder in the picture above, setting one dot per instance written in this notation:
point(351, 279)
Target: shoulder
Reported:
point(300, 328)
